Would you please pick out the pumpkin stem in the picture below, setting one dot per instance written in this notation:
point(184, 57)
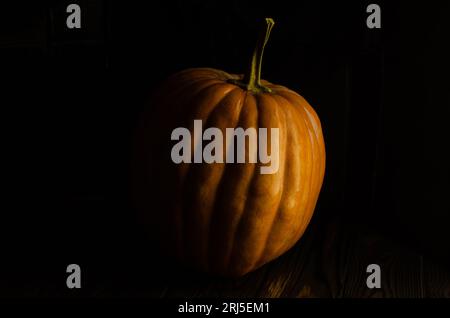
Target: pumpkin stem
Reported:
point(252, 79)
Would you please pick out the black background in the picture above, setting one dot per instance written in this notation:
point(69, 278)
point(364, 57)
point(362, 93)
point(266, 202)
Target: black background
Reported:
point(70, 100)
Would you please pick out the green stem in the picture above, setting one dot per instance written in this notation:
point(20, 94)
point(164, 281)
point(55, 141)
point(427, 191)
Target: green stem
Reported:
point(252, 79)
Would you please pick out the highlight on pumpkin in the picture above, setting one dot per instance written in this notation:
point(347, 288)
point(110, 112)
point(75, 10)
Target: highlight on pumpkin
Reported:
point(235, 146)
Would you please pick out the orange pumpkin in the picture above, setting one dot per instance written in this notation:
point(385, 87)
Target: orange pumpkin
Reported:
point(225, 218)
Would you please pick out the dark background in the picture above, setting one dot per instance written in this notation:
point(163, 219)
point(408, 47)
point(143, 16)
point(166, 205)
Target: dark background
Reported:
point(70, 100)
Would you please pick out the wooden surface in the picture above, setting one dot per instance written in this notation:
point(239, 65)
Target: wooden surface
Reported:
point(329, 261)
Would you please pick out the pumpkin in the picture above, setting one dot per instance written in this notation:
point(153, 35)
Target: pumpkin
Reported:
point(224, 218)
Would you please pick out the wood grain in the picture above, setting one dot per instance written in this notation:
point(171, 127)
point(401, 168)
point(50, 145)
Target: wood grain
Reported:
point(330, 261)
point(436, 279)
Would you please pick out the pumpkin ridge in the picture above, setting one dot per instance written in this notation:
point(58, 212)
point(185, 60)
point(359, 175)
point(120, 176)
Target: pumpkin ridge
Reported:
point(186, 103)
point(283, 163)
point(315, 147)
point(314, 121)
point(260, 260)
point(224, 190)
point(247, 218)
point(313, 171)
point(305, 179)
point(250, 183)
point(219, 186)
point(196, 175)
point(208, 122)
point(296, 98)
point(308, 149)
point(190, 174)
point(182, 170)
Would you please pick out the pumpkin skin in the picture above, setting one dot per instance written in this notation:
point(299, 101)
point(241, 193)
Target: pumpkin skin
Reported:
point(225, 218)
